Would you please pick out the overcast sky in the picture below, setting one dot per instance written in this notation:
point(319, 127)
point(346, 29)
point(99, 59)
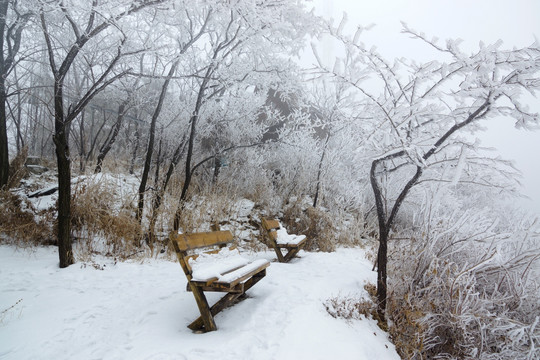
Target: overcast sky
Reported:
point(515, 22)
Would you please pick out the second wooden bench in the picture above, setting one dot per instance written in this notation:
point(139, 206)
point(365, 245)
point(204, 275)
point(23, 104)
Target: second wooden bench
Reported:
point(292, 243)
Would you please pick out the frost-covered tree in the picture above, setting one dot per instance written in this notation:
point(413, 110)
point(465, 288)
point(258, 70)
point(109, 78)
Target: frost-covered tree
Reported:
point(419, 112)
point(13, 20)
point(70, 27)
point(248, 51)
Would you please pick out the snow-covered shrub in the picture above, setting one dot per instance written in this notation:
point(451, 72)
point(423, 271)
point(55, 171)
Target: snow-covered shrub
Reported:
point(355, 306)
point(464, 286)
point(349, 307)
point(318, 225)
point(102, 208)
point(17, 170)
point(20, 223)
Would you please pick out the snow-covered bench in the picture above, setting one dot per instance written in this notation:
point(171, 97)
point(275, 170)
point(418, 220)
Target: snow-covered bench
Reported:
point(221, 269)
point(278, 238)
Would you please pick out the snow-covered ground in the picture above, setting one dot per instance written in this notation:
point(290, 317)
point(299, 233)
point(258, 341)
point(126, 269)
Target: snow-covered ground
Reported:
point(134, 310)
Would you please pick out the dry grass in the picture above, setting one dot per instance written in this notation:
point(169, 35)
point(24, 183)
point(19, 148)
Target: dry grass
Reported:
point(317, 225)
point(352, 307)
point(17, 170)
point(407, 330)
point(94, 215)
point(20, 225)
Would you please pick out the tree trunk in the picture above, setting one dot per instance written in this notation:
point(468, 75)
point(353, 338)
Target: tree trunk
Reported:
point(191, 142)
point(383, 243)
point(385, 224)
point(150, 148)
point(64, 180)
point(82, 147)
point(104, 150)
point(4, 155)
point(178, 152)
point(319, 172)
point(135, 150)
point(217, 168)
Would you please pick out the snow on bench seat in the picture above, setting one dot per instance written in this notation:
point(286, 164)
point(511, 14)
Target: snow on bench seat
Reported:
point(244, 271)
point(283, 238)
point(227, 266)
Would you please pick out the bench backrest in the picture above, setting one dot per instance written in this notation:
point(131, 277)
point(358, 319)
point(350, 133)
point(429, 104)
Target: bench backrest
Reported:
point(186, 242)
point(270, 226)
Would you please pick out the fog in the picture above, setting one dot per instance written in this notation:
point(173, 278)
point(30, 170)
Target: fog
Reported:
point(515, 23)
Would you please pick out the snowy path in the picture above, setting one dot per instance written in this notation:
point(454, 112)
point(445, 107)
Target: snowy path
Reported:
point(140, 311)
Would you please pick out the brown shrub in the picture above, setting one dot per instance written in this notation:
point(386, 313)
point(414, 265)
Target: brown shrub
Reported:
point(94, 216)
point(17, 170)
point(407, 329)
point(317, 225)
point(353, 307)
point(19, 223)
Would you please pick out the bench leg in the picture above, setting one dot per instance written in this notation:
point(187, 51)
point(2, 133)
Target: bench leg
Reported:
point(279, 254)
point(292, 253)
point(288, 256)
point(207, 320)
point(200, 323)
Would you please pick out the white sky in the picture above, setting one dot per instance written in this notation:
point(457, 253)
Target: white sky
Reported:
point(516, 22)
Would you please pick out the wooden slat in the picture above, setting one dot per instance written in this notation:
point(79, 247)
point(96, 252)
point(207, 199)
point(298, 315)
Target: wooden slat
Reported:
point(215, 285)
point(292, 246)
point(270, 224)
point(246, 275)
point(211, 252)
point(199, 240)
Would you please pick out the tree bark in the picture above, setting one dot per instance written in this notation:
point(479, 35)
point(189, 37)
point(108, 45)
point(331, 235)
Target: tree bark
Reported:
point(4, 155)
point(60, 139)
point(319, 172)
point(151, 139)
point(107, 146)
point(135, 149)
point(11, 38)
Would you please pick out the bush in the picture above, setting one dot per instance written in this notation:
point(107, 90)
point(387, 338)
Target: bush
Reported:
point(462, 289)
point(318, 226)
point(21, 224)
point(99, 211)
point(353, 307)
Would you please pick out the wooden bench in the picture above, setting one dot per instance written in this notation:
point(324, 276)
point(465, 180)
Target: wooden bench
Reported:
point(231, 275)
point(292, 243)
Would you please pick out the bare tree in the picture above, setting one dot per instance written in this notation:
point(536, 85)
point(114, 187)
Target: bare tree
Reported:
point(12, 23)
point(151, 140)
point(82, 32)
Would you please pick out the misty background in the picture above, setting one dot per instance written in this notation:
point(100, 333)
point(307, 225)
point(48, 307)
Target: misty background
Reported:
point(515, 23)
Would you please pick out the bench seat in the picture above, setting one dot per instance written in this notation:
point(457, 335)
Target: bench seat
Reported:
point(229, 271)
point(283, 238)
